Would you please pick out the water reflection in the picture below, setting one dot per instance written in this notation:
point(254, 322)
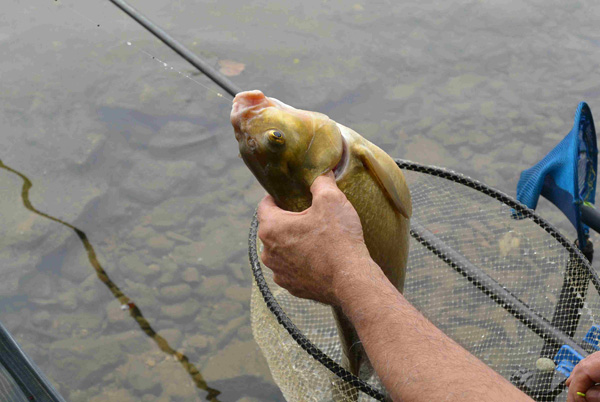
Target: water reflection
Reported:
point(126, 302)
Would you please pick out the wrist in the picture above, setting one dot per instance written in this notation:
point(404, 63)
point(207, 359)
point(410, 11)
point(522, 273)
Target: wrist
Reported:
point(356, 279)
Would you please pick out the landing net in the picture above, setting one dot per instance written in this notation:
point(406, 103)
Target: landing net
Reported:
point(473, 270)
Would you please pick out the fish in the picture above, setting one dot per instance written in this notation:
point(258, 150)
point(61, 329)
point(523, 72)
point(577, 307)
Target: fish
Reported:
point(287, 149)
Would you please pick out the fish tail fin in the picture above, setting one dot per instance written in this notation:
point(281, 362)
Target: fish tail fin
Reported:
point(352, 358)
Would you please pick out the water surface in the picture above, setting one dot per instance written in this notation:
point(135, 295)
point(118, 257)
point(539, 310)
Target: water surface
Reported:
point(144, 161)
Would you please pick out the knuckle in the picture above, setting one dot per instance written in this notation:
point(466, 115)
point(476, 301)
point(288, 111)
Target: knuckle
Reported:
point(280, 280)
point(267, 258)
point(332, 195)
point(264, 231)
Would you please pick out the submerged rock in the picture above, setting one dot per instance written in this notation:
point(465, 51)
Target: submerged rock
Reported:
point(142, 233)
point(72, 324)
point(38, 286)
point(139, 376)
point(237, 270)
point(181, 136)
point(177, 384)
point(213, 286)
point(121, 395)
point(115, 314)
point(77, 363)
point(238, 293)
point(226, 310)
point(153, 180)
point(41, 319)
point(178, 237)
point(76, 265)
point(175, 293)
point(236, 359)
point(198, 343)
point(160, 244)
point(190, 275)
point(229, 330)
point(135, 269)
point(180, 311)
point(82, 151)
point(174, 212)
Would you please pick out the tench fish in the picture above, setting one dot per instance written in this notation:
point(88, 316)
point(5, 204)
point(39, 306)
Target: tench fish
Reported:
point(287, 148)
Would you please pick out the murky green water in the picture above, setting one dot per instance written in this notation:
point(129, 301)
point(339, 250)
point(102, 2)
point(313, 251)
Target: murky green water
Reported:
point(144, 161)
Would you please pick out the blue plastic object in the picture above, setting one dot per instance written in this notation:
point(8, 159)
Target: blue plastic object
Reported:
point(567, 175)
point(593, 337)
point(566, 359)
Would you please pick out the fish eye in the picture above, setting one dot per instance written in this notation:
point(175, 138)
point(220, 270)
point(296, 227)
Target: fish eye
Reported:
point(276, 136)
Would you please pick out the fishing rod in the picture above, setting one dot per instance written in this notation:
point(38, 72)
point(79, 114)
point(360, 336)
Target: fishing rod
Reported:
point(181, 50)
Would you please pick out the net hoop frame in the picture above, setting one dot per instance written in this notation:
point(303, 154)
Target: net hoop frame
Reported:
point(318, 354)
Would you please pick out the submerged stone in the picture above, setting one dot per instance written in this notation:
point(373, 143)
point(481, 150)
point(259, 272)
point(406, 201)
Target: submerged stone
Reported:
point(41, 319)
point(230, 329)
point(236, 359)
point(213, 286)
point(139, 376)
point(160, 244)
point(238, 293)
point(77, 363)
point(198, 343)
point(175, 293)
point(180, 136)
point(174, 212)
point(177, 384)
point(115, 314)
point(121, 395)
point(134, 268)
point(180, 311)
point(153, 180)
point(226, 310)
point(190, 275)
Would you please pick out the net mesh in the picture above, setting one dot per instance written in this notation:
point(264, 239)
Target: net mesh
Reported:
point(470, 222)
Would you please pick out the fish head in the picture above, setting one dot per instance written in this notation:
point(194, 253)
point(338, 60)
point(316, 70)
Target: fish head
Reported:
point(284, 147)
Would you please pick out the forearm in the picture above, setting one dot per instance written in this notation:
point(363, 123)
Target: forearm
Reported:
point(414, 359)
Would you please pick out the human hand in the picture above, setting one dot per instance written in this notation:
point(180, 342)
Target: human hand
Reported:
point(583, 379)
point(310, 251)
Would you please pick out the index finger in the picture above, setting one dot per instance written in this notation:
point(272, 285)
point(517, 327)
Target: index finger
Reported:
point(323, 181)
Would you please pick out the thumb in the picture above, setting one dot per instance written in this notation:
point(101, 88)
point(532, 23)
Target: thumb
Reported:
point(323, 182)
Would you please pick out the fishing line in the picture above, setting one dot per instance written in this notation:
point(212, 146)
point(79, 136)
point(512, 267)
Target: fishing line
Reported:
point(126, 302)
point(166, 65)
point(145, 52)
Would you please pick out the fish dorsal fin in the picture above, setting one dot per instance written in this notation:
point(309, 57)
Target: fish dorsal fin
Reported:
point(390, 179)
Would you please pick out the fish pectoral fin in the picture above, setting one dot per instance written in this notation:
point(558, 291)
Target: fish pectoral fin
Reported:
point(391, 181)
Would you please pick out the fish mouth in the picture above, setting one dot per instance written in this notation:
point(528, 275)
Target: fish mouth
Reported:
point(248, 100)
point(249, 104)
point(340, 168)
point(245, 106)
